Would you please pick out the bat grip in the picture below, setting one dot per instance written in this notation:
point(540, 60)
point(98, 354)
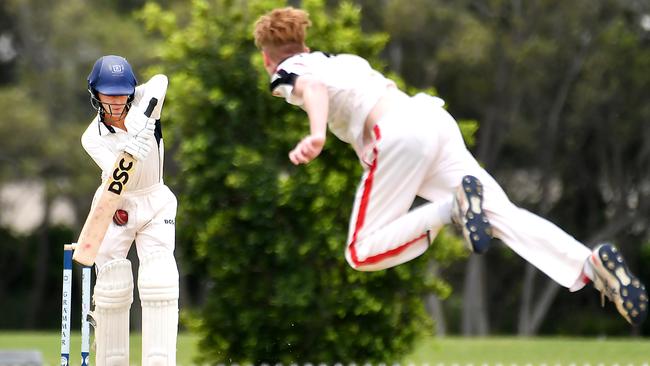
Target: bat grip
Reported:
point(150, 107)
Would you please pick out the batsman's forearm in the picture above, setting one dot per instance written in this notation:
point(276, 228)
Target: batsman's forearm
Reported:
point(156, 87)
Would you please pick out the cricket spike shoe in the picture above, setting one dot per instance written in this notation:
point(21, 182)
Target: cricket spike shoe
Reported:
point(615, 281)
point(468, 215)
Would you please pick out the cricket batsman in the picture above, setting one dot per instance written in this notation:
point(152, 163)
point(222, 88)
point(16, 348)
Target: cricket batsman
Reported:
point(411, 146)
point(146, 215)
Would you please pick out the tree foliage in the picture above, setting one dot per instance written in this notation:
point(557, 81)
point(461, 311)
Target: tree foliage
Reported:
point(269, 237)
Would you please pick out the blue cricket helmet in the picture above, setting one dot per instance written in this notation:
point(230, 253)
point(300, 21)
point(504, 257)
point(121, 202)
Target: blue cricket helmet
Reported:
point(112, 75)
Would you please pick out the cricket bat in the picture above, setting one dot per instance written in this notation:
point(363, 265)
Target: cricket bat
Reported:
point(100, 216)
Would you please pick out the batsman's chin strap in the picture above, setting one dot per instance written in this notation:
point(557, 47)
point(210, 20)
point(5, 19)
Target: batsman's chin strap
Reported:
point(102, 122)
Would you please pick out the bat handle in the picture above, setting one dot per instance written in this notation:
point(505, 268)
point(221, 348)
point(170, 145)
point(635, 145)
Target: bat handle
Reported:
point(150, 107)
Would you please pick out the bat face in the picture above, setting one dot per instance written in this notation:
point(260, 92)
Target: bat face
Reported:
point(101, 214)
point(120, 175)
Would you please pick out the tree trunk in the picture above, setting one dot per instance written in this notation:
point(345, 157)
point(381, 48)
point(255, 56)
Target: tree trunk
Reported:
point(543, 304)
point(526, 301)
point(437, 313)
point(434, 307)
point(475, 309)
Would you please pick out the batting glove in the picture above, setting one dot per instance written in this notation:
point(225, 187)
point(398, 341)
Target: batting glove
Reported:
point(137, 123)
point(139, 147)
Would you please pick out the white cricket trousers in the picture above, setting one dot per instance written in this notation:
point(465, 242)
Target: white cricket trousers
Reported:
point(419, 151)
point(152, 220)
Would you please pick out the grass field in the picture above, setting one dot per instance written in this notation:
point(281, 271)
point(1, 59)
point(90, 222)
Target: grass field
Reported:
point(533, 351)
point(451, 351)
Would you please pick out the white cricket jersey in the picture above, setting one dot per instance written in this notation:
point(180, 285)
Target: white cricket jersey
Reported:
point(101, 142)
point(353, 87)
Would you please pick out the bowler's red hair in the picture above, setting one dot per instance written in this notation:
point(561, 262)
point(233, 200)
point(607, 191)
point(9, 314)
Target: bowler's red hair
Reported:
point(281, 33)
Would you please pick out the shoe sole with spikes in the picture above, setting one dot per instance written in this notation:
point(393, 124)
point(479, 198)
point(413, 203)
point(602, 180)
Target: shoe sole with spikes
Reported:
point(468, 214)
point(615, 281)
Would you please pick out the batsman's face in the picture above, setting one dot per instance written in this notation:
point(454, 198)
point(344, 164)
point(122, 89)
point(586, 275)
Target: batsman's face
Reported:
point(114, 105)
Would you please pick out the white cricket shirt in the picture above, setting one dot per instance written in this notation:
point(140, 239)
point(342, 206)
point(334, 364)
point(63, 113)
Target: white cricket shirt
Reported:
point(101, 142)
point(353, 87)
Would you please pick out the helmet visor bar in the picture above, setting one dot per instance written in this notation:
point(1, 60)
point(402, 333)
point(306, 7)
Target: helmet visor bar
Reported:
point(110, 109)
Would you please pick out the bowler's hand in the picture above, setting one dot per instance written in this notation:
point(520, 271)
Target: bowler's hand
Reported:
point(307, 149)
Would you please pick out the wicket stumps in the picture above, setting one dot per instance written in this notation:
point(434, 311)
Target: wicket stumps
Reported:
point(66, 309)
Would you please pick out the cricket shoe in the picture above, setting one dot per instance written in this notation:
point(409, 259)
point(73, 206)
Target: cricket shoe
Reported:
point(468, 215)
point(615, 281)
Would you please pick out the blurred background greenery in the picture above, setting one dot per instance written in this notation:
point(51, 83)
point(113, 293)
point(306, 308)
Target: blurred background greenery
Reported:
point(559, 91)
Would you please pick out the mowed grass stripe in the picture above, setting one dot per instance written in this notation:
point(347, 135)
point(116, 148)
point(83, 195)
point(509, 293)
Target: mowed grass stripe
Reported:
point(447, 351)
point(550, 351)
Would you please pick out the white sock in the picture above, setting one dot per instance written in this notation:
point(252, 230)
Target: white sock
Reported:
point(585, 277)
point(588, 270)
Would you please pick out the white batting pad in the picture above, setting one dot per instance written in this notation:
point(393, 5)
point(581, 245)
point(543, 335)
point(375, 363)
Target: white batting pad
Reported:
point(113, 296)
point(158, 286)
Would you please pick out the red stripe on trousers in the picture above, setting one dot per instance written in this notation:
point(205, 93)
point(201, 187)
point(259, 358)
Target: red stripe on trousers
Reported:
point(361, 217)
